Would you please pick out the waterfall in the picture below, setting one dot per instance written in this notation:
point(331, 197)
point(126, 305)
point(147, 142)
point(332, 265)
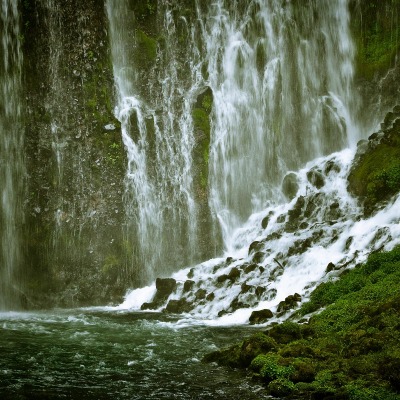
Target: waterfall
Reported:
point(11, 155)
point(157, 130)
point(280, 76)
point(281, 73)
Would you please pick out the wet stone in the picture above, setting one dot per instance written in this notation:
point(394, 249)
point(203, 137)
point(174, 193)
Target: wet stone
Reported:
point(260, 290)
point(259, 257)
point(178, 306)
point(265, 221)
point(330, 267)
point(290, 185)
point(331, 166)
point(210, 297)
point(255, 246)
point(246, 288)
point(222, 278)
point(201, 294)
point(250, 268)
point(234, 273)
point(188, 286)
point(260, 316)
point(316, 178)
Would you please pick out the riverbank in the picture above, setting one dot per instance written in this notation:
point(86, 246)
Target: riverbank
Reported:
point(350, 350)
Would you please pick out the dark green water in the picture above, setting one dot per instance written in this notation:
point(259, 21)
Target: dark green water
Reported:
point(81, 354)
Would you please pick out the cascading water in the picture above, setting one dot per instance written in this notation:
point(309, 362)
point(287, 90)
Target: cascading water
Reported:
point(11, 156)
point(281, 74)
point(281, 81)
point(157, 131)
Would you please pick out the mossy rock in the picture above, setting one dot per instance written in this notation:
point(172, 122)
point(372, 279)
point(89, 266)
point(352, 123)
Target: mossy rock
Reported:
point(375, 177)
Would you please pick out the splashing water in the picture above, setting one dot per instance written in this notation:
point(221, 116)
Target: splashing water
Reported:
point(286, 249)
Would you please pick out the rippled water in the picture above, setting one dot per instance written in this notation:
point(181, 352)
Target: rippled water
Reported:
point(93, 354)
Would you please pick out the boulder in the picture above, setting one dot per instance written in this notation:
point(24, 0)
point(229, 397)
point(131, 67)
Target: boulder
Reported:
point(250, 268)
point(316, 178)
point(265, 221)
point(258, 257)
point(201, 294)
point(260, 316)
point(222, 278)
point(234, 273)
point(260, 290)
point(164, 288)
point(188, 286)
point(290, 185)
point(149, 306)
point(255, 246)
point(289, 303)
point(178, 306)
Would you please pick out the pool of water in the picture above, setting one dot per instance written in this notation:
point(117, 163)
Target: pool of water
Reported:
point(96, 354)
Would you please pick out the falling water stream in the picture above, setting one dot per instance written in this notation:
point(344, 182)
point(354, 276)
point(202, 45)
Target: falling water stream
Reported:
point(11, 158)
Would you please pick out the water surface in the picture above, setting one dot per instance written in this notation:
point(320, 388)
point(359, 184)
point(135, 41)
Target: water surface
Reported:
point(92, 354)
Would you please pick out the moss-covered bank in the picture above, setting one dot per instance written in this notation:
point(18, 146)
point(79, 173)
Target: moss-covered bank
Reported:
point(375, 175)
point(348, 351)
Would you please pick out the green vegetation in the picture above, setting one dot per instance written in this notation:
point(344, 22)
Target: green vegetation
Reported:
point(376, 175)
point(147, 47)
point(350, 350)
point(376, 31)
point(201, 120)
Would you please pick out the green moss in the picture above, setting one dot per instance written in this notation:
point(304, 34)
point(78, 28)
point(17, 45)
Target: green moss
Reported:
point(147, 47)
point(376, 175)
point(376, 31)
point(202, 128)
point(349, 350)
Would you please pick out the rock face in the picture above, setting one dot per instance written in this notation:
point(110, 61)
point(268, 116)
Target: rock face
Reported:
point(375, 175)
point(74, 154)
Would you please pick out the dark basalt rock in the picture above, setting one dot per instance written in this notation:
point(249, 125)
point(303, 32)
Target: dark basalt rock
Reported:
point(201, 294)
point(188, 286)
point(222, 278)
point(229, 260)
point(255, 246)
point(265, 221)
point(331, 166)
point(260, 290)
point(250, 268)
point(316, 178)
point(149, 306)
point(210, 296)
point(246, 288)
point(164, 286)
point(261, 316)
point(259, 257)
point(330, 267)
point(234, 273)
point(178, 306)
point(236, 304)
point(290, 185)
point(289, 303)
